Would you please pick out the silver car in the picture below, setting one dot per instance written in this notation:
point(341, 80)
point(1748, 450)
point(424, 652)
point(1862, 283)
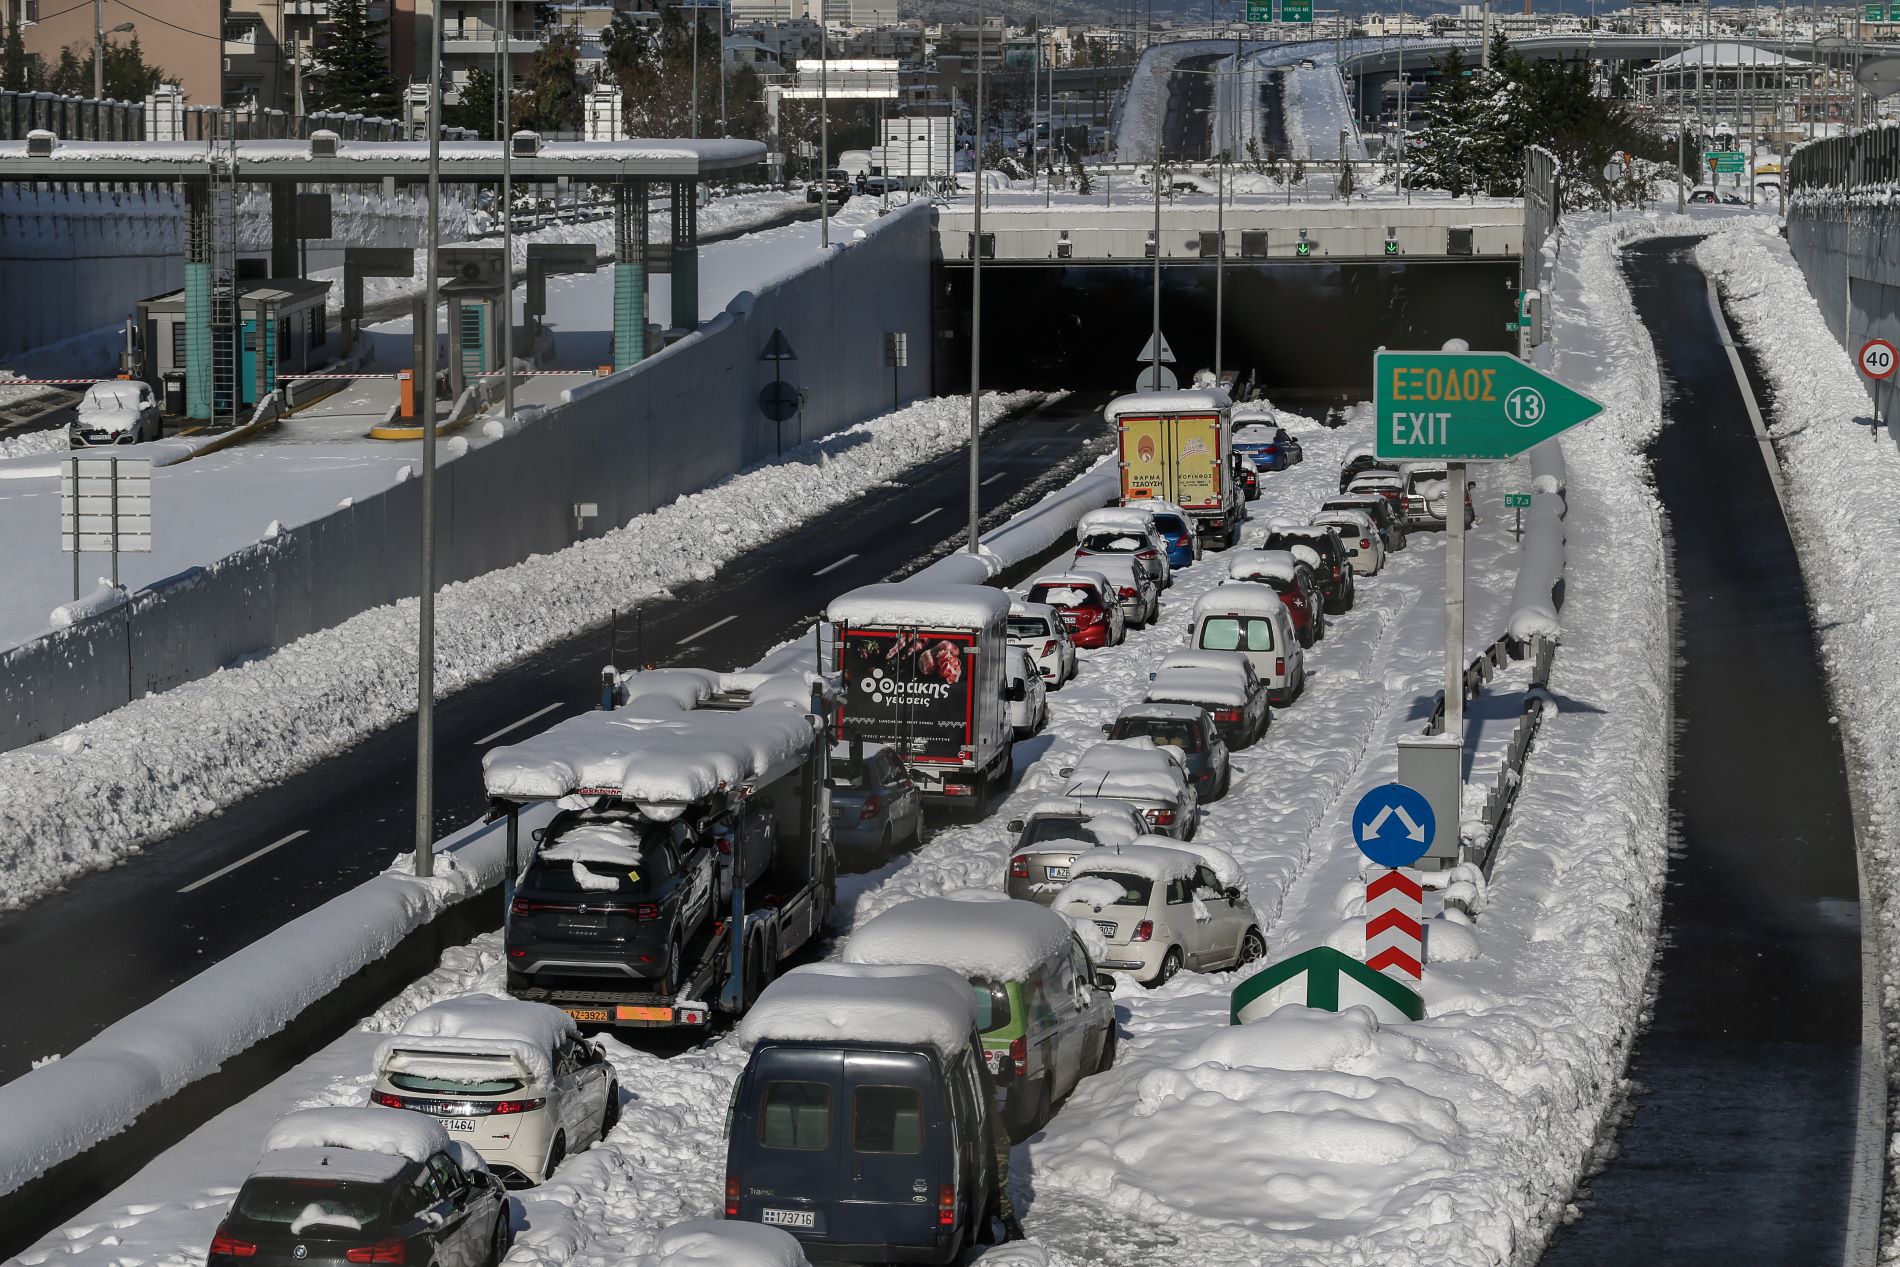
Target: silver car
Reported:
point(1151, 776)
point(1054, 831)
point(874, 805)
point(120, 411)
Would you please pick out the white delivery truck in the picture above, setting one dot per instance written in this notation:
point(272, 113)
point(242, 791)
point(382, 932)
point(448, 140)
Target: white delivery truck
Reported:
point(922, 669)
point(1178, 447)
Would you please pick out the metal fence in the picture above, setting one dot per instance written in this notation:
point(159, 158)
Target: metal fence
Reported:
point(84, 119)
point(1844, 230)
point(72, 118)
point(1543, 206)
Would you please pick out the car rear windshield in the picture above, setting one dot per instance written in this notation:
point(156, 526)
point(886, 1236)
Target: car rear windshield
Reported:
point(992, 1005)
point(887, 1120)
point(654, 872)
point(1236, 633)
point(311, 1202)
point(1113, 542)
point(1135, 888)
point(444, 1086)
point(1163, 730)
point(1172, 525)
point(1063, 595)
point(1042, 831)
point(796, 1116)
point(1028, 627)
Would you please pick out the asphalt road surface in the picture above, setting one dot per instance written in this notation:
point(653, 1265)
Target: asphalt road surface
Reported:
point(1740, 1140)
point(1185, 133)
point(114, 940)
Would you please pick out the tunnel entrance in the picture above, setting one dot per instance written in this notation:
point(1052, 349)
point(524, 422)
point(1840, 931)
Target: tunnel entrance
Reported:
point(1306, 331)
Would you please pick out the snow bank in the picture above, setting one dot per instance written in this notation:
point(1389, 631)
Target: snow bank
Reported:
point(100, 601)
point(1032, 532)
point(994, 941)
point(829, 1002)
point(394, 1132)
point(718, 1243)
point(33, 443)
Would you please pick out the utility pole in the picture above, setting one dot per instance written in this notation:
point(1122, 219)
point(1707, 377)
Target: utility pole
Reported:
point(425, 614)
point(695, 71)
point(1154, 182)
point(98, 50)
point(824, 127)
point(976, 297)
point(505, 133)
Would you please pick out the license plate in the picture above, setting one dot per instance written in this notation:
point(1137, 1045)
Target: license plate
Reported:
point(1056, 873)
point(1107, 926)
point(459, 1125)
point(788, 1218)
point(994, 1059)
point(581, 923)
point(599, 1014)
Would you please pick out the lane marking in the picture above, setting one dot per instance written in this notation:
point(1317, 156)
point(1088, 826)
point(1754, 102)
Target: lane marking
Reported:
point(992, 479)
point(1041, 448)
point(927, 514)
point(708, 629)
point(516, 725)
point(1762, 438)
point(249, 857)
point(832, 567)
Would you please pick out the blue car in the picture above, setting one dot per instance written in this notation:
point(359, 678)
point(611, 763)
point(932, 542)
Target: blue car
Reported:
point(1177, 534)
point(1261, 442)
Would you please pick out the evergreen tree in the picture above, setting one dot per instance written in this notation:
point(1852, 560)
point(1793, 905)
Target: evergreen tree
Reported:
point(354, 63)
point(553, 97)
point(19, 71)
point(1448, 151)
point(475, 108)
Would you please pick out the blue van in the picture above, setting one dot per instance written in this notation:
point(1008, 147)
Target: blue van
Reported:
point(865, 1148)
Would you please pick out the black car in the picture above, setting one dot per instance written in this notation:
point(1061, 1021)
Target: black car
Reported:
point(611, 898)
point(312, 1207)
point(1188, 727)
point(835, 187)
point(1359, 464)
point(1335, 576)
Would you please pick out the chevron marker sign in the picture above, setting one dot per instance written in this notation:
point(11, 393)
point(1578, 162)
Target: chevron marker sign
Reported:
point(1395, 927)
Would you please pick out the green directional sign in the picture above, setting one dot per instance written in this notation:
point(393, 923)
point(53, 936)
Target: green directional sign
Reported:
point(1260, 10)
point(1876, 12)
point(1468, 406)
point(1893, 13)
point(1726, 161)
point(1296, 10)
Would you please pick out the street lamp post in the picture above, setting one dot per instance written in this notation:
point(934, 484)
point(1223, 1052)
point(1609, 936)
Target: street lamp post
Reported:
point(976, 297)
point(425, 615)
point(99, 34)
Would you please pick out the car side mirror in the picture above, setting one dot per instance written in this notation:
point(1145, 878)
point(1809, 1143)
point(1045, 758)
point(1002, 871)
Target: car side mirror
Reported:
point(1108, 728)
point(1104, 982)
point(1231, 893)
point(1014, 826)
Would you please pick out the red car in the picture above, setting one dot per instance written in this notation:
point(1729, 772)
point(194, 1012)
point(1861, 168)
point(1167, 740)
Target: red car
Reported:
point(1088, 605)
point(1292, 580)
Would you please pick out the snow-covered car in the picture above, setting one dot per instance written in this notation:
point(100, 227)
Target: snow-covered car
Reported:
point(1292, 578)
point(1188, 727)
point(1222, 682)
point(1039, 629)
point(1150, 776)
point(361, 1185)
point(1124, 531)
point(1360, 459)
point(1261, 442)
point(874, 803)
point(1165, 906)
point(1028, 697)
point(1087, 603)
point(1247, 476)
point(1359, 535)
point(1384, 484)
point(1425, 495)
point(1250, 620)
point(1135, 589)
point(1049, 836)
point(1703, 194)
point(121, 411)
point(1332, 568)
point(513, 1080)
point(1379, 510)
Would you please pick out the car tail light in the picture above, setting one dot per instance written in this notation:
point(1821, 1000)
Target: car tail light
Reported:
point(1019, 867)
point(956, 789)
point(1019, 1056)
point(732, 1196)
point(871, 809)
point(385, 1099)
point(1144, 554)
point(230, 1246)
point(1127, 592)
point(1144, 930)
point(1160, 817)
point(517, 1106)
point(390, 1251)
point(1089, 615)
point(524, 906)
point(946, 1206)
point(1335, 571)
point(1279, 666)
point(1049, 647)
point(1227, 714)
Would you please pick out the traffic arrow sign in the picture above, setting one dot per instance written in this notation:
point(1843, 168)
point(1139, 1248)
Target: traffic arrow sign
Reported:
point(1148, 350)
point(1393, 825)
point(1468, 406)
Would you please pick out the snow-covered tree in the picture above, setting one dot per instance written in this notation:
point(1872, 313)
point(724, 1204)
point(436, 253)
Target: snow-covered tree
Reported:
point(1448, 148)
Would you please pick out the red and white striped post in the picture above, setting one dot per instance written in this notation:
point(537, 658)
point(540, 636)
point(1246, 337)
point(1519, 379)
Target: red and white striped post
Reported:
point(1395, 926)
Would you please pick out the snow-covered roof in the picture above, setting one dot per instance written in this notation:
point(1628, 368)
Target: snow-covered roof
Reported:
point(1279, 565)
point(1021, 608)
point(1074, 576)
point(372, 160)
point(1725, 54)
point(1154, 862)
point(661, 765)
point(1225, 867)
point(1375, 477)
point(988, 940)
point(1155, 506)
point(1184, 402)
point(612, 844)
point(1358, 451)
point(1198, 686)
point(906, 1004)
point(1128, 767)
point(1358, 519)
point(345, 1165)
point(1241, 599)
point(1253, 411)
point(481, 1024)
point(113, 395)
point(395, 1133)
point(1164, 708)
point(1117, 568)
point(910, 603)
point(675, 690)
point(1137, 518)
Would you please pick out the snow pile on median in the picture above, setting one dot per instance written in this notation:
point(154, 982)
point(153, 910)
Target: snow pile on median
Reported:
point(34, 443)
point(166, 761)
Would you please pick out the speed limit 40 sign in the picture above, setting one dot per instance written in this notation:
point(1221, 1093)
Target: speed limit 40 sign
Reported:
point(1878, 359)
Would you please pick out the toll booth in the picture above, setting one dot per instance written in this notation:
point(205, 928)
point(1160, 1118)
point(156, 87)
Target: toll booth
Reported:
point(285, 331)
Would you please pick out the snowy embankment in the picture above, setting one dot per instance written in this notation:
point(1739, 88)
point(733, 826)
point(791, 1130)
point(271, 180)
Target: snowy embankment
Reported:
point(1840, 486)
point(33, 443)
point(1139, 117)
point(166, 761)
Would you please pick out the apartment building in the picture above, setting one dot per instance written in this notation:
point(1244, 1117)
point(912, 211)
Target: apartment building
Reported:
point(186, 43)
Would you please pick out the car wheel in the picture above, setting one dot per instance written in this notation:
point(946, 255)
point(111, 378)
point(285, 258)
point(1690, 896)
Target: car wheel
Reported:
point(1252, 947)
point(670, 981)
point(610, 1115)
point(557, 1153)
point(1109, 1042)
point(517, 981)
point(1170, 965)
point(498, 1243)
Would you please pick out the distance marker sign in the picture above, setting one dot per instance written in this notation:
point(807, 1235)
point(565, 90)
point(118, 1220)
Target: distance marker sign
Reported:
point(1877, 359)
point(1467, 406)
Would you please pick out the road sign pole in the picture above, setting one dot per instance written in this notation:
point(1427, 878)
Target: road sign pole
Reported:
point(1455, 608)
point(114, 486)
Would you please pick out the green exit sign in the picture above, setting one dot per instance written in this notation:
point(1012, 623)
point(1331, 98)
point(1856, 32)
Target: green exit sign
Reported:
point(1876, 12)
point(1296, 10)
point(1726, 161)
point(1468, 406)
point(1259, 10)
point(1517, 501)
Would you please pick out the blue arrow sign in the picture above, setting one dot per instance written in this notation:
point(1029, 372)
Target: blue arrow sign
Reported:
point(1393, 825)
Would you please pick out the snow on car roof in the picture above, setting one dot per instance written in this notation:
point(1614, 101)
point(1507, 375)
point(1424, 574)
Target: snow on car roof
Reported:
point(1255, 430)
point(1103, 810)
point(1151, 862)
point(1279, 565)
point(1116, 566)
point(395, 1133)
point(912, 603)
point(1253, 410)
point(1073, 577)
point(1195, 658)
point(1019, 608)
point(113, 395)
point(658, 764)
point(481, 1024)
point(1198, 686)
point(1164, 708)
point(1309, 530)
point(1128, 767)
point(1375, 478)
point(908, 1004)
point(1223, 864)
point(1138, 518)
point(1358, 451)
point(1240, 598)
point(1156, 506)
point(681, 689)
point(611, 844)
point(1358, 520)
point(994, 941)
point(346, 1165)
point(1188, 402)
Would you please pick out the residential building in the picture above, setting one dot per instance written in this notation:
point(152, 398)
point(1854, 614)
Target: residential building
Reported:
point(186, 45)
point(474, 33)
point(901, 43)
point(786, 42)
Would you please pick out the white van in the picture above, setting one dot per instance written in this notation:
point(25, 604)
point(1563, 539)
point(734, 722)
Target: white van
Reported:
point(1252, 620)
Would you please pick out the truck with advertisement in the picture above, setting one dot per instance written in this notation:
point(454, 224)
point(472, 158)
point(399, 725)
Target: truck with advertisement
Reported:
point(1177, 447)
point(682, 848)
point(922, 671)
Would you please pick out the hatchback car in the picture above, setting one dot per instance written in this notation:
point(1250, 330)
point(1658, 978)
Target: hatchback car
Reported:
point(1187, 727)
point(1290, 577)
point(342, 1185)
point(1360, 537)
point(1261, 442)
point(875, 808)
point(513, 1080)
point(1165, 906)
point(122, 411)
point(1140, 772)
point(1425, 495)
point(612, 898)
point(1124, 532)
point(1086, 603)
point(1038, 629)
point(1222, 682)
point(1247, 477)
point(1134, 588)
point(1384, 517)
point(1251, 619)
point(1386, 485)
point(1028, 697)
point(1049, 836)
point(1178, 535)
point(1333, 570)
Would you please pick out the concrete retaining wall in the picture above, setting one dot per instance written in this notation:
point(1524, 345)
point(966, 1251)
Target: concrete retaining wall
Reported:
point(85, 257)
point(678, 422)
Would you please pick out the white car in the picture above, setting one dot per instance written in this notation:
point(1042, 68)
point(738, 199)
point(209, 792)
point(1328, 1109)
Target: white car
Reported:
point(514, 1080)
point(120, 411)
point(1359, 535)
point(1028, 707)
point(1049, 836)
point(1151, 777)
point(1164, 906)
point(1038, 629)
point(1123, 530)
